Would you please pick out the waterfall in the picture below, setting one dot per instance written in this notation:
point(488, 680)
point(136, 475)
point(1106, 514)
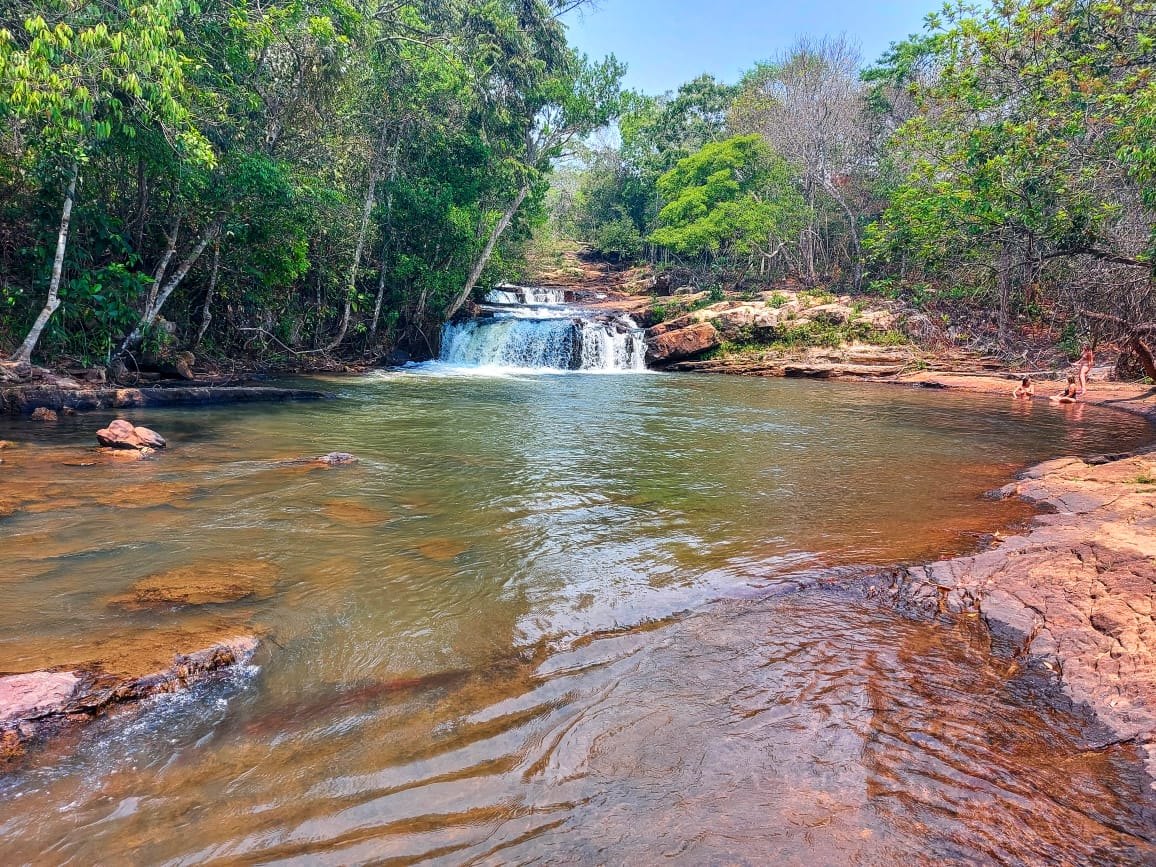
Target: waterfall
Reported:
point(508, 295)
point(519, 332)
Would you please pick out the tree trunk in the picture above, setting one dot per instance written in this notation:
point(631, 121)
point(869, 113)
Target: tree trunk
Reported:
point(1005, 278)
point(163, 265)
point(1145, 355)
point(359, 249)
point(154, 309)
point(487, 251)
point(388, 232)
point(24, 353)
point(206, 313)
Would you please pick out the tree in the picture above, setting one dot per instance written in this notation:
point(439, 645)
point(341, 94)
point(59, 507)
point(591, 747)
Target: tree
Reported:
point(809, 106)
point(733, 197)
point(95, 76)
point(1028, 166)
point(576, 99)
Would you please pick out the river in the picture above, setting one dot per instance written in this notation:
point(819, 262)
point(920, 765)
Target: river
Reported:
point(554, 618)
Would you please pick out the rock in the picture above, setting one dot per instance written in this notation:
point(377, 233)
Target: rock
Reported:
point(661, 284)
point(31, 695)
point(127, 455)
point(441, 549)
point(685, 290)
point(121, 434)
point(37, 704)
point(682, 343)
point(43, 413)
point(183, 365)
point(337, 459)
point(24, 398)
point(1075, 593)
point(6, 444)
point(203, 584)
point(150, 438)
point(15, 371)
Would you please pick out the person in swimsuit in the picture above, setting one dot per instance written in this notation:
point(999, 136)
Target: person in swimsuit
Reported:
point(1026, 389)
point(1069, 394)
point(1084, 367)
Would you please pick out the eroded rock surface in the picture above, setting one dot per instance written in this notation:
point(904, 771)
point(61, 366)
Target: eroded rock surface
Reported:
point(1075, 592)
point(203, 584)
point(35, 705)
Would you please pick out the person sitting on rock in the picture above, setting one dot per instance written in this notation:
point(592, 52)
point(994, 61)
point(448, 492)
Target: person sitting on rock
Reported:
point(1069, 394)
point(1084, 367)
point(1026, 389)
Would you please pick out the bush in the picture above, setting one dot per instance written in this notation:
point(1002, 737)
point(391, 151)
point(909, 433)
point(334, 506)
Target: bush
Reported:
point(618, 240)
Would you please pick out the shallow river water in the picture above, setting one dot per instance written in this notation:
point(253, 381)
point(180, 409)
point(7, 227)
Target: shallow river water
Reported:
point(546, 619)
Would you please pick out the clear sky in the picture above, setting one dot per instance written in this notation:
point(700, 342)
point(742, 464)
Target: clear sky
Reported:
point(667, 42)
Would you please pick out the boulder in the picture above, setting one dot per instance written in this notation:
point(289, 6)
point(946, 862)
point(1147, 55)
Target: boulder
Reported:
point(43, 413)
point(682, 343)
point(150, 438)
point(121, 434)
point(337, 459)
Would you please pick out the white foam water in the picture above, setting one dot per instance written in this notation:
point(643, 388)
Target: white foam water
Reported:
point(539, 333)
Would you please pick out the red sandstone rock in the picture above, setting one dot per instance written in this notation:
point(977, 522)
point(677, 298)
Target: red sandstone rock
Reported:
point(682, 343)
point(121, 434)
point(37, 704)
point(150, 438)
point(31, 695)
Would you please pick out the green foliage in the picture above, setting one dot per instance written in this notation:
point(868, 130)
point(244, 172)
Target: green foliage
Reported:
point(318, 168)
point(732, 195)
point(618, 239)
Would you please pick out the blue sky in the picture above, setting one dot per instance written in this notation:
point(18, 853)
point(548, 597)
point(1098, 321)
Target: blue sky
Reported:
point(667, 42)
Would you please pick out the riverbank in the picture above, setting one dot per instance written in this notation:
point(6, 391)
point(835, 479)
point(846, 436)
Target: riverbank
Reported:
point(1074, 593)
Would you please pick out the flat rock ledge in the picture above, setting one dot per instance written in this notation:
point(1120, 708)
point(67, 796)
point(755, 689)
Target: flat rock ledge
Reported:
point(37, 705)
point(1074, 593)
point(27, 398)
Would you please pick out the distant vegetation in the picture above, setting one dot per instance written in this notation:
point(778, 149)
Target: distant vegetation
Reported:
point(1006, 157)
point(277, 178)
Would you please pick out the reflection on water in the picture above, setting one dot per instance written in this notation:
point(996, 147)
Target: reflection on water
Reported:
point(491, 639)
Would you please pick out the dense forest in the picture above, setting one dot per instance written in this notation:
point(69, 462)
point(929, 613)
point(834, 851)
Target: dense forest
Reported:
point(308, 177)
point(1004, 158)
point(283, 178)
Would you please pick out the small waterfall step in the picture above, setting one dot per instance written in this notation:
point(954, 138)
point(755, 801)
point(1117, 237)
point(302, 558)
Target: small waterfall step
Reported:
point(533, 328)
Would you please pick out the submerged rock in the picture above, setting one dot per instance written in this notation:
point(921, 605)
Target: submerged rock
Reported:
point(43, 413)
point(1074, 593)
point(203, 584)
point(337, 459)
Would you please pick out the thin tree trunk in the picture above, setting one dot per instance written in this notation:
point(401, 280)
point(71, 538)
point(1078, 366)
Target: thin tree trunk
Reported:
point(206, 313)
point(24, 353)
point(487, 251)
point(1005, 278)
point(363, 229)
point(154, 309)
point(387, 236)
point(163, 265)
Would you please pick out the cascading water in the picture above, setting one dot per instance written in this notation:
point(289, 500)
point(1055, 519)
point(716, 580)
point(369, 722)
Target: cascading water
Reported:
point(528, 295)
point(530, 328)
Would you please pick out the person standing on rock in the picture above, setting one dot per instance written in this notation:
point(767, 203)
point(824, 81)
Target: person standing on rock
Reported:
point(1084, 367)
